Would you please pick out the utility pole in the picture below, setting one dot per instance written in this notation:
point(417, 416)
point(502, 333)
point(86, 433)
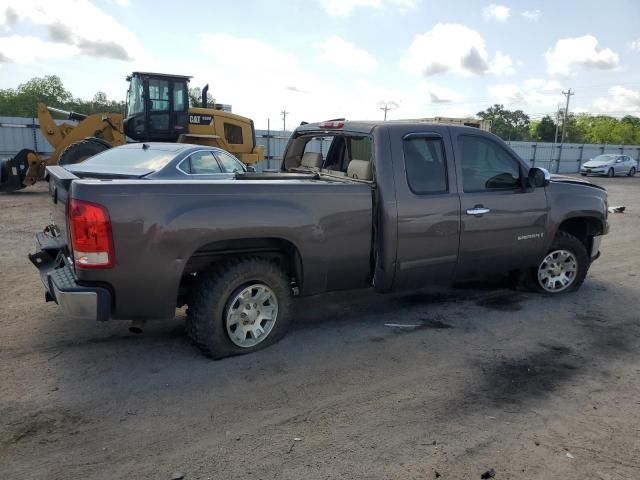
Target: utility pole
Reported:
point(566, 113)
point(284, 120)
point(557, 123)
point(385, 109)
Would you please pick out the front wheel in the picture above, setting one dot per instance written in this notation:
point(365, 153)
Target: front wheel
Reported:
point(563, 268)
point(611, 173)
point(632, 172)
point(239, 307)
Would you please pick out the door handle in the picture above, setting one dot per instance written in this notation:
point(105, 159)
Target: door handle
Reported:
point(478, 210)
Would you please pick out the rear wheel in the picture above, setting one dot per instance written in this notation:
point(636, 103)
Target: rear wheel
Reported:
point(80, 151)
point(239, 307)
point(563, 268)
point(632, 172)
point(611, 173)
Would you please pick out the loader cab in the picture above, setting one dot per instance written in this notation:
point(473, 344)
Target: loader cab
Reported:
point(157, 106)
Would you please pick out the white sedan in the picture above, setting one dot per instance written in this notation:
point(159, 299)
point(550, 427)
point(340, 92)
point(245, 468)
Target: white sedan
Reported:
point(610, 165)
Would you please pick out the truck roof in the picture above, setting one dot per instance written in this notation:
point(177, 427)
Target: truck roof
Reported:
point(367, 126)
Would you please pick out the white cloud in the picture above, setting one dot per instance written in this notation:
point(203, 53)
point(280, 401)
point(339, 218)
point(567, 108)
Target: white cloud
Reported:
point(28, 49)
point(346, 55)
point(291, 82)
point(343, 8)
point(579, 51)
point(432, 94)
point(542, 85)
point(620, 100)
point(123, 3)
point(78, 24)
point(451, 47)
point(635, 45)
point(535, 93)
point(533, 15)
point(502, 64)
point(498, 13)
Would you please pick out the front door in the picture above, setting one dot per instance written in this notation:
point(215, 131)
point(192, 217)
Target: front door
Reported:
point(159, 108)
point(503, 221)
point(429, 212)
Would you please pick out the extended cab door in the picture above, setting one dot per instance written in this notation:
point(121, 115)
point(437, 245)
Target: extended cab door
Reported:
point(503, 223)
point(428, 208)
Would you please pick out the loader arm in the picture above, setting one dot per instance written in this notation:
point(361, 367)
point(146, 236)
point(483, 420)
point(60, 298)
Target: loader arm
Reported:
point(105, 126)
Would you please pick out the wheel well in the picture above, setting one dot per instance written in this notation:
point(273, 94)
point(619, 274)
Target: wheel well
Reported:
point(281, 251)
point(583, 228)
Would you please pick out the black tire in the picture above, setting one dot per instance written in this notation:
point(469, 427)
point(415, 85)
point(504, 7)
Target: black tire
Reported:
point(216, 288)
point(80, 151)
point(632, 172)
point(611, 173)
point(564, 241)
point(583, 174)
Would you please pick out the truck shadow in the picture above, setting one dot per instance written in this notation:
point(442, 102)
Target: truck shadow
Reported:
point(111, 363)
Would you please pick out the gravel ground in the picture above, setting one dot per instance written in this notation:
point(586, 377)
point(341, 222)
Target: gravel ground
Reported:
point(530, 386)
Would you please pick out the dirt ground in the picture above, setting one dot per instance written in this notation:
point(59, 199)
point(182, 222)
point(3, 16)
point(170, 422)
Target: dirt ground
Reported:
point(530, 386)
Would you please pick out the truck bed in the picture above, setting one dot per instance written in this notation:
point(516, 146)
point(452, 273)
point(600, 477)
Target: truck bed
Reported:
point(158, 226)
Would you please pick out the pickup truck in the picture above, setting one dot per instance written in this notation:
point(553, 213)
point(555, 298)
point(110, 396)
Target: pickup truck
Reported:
point(355, 204)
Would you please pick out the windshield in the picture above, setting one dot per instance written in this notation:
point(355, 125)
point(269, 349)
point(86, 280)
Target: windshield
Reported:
point(603, 158)
point(135, 101)
point(131, 158)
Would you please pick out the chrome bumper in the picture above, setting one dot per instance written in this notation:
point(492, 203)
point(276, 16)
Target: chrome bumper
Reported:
point(79, 302)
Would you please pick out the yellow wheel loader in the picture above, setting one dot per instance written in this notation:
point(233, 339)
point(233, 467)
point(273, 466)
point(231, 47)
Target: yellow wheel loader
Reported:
point(157, 110)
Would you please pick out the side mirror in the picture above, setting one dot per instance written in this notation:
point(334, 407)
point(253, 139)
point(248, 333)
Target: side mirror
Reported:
point(539, 177)
point(250, 169)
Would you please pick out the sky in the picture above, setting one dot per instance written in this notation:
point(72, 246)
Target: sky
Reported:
point(324, 59)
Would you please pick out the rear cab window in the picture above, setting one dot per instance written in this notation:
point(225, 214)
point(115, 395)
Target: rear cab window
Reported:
point(339, 155)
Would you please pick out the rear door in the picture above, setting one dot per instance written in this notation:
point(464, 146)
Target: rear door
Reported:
point(503, 223)
point(428, 208)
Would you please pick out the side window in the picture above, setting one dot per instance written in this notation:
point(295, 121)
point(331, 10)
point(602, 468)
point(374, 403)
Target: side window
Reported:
point(486, 166)
point(425, 165)
point(201, 163)
point(233, 133)
point(229, 163)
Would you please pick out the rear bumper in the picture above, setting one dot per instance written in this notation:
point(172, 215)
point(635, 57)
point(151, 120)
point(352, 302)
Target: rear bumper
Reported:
point(76, 301)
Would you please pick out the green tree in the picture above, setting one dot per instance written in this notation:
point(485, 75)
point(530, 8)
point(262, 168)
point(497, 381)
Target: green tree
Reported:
point(507, 124)
point(195, 97)
point(22, 102)
point(543, 130)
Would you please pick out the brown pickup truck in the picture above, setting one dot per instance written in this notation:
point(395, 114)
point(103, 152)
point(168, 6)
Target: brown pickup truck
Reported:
point(387, 205)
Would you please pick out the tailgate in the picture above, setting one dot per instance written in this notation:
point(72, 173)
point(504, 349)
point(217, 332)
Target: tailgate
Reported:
point(59, 184)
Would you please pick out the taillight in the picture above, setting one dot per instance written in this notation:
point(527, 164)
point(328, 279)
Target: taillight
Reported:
point(91, 238)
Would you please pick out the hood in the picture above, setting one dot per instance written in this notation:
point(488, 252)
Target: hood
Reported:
point(596, 163)
point(575, 181)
